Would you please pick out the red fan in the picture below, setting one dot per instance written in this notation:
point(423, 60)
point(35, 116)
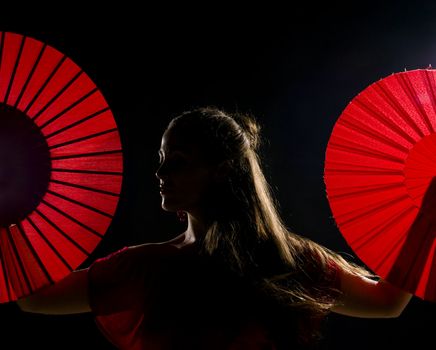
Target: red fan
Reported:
point(380, 160)
point(61, 166)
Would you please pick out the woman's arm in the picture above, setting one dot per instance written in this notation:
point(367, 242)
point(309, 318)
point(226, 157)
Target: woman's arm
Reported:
point(68, 296)
point(106, 286)
point(364, 297)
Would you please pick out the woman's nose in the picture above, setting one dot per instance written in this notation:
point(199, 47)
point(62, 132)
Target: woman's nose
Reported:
point(161, 171)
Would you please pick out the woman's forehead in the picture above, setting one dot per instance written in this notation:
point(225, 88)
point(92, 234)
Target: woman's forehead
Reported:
point(172, 143)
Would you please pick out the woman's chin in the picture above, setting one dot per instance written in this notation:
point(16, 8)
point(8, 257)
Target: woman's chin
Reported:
point(170, 206)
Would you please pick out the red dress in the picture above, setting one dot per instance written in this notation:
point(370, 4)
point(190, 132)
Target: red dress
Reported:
point(156, 297)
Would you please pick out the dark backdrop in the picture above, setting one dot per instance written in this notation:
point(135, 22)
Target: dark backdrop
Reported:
point(295, 69)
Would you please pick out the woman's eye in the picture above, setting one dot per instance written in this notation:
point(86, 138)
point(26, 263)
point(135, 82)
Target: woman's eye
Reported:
point(173, 163)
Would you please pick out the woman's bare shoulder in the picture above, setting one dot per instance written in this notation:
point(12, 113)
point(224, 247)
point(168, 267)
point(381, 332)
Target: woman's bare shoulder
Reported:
point(136, 258)
point(163, 248)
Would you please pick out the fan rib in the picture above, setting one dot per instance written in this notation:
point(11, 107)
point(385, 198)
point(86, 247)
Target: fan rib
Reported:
point(364, 240)
point(85, 188)
point(365, 106)
point(41, 89)
point(360, 190)
point(375, 209)
point(2, 44)
point(80, 203)
point(363, 169)
point(5, 271)
point(83, 138)
point(411, 93)
point(363, 172)
point(11, 268)
point(30, 76)
point(90, 154)
point(20, 263)
point(74, 104)
point(101, 111)
point(430, 88)
point(35, 254)
point(353, 148)
point(398, 108)
point(77, 245)
point(55, 97)
point(49, 244)
point(117, 173)
point(72, 219)
point(17, 61)
point(388, 254)
point(372, 134)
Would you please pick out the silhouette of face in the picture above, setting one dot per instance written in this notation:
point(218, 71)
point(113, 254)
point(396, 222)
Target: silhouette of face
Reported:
point(184, 174)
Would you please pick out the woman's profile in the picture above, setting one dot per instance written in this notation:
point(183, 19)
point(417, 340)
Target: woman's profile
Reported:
point(236, 278)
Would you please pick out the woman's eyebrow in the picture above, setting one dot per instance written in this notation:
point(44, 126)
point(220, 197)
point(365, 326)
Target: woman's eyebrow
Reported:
point(169, 152)
point(174, 149)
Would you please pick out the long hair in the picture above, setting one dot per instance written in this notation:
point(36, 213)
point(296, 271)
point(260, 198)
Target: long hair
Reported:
point(246, 231)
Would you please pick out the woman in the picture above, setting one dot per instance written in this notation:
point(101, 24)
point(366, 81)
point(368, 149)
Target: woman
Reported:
point(237, 278)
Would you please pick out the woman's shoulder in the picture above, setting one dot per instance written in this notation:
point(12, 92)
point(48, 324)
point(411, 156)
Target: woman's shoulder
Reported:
point(134, 260)
point(145, 251)
point(153, 252)
point(155, 249)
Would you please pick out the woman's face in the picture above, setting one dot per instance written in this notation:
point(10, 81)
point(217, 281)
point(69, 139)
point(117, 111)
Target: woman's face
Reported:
point(183, 174)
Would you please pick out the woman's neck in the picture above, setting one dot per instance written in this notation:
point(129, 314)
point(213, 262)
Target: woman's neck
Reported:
point(197, 228)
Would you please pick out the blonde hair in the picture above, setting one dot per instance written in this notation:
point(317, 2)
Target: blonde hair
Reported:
point(246, 230)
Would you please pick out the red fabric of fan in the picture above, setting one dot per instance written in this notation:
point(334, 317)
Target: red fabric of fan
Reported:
point(61, 165)
point(380, 161)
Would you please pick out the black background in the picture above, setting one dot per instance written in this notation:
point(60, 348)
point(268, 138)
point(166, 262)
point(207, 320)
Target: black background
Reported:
point(294, 68)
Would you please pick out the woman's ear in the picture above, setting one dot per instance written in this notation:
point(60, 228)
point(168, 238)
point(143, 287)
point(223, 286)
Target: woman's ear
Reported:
point(222, 171)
